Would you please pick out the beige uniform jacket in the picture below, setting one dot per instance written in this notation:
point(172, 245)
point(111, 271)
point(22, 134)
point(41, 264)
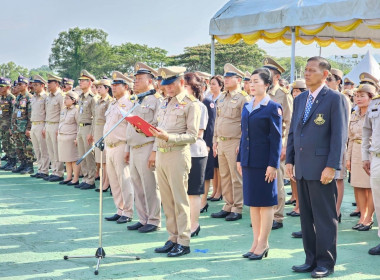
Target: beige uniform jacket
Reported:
point(101, 107)
point(68, 123)
point(38, 105)
point(86, 104)
point(228, 114)
point(179, 117)
point(113, 115)
point(371, 130)
point(53, 106)
point(148, 112)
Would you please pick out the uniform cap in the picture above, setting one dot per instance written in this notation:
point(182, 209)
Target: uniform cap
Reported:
point(141, 68)
point(39, 79)
point(230, 70)
point(85, 75)
point(22, 79)
point(367, 88)
point(72, 94)
point(96, 82)
point(366, 77)
point(299, 84)
point(104, 82)
point(170, 74)
point(247, 76)
point(348, 81)
point(52, 77)
point(67, 81)
point(271, 64)
point(203, 75)
point(5, 82)
point(348, 92)
point(337, 72)
point(120, 78)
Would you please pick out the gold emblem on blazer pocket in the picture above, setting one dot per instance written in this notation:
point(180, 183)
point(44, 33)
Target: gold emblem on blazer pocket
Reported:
point(319, 120)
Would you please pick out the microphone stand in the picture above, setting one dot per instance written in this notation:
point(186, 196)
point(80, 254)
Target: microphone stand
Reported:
point(100, 253)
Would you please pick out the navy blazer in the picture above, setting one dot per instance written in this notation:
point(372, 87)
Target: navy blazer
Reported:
point(319, 143)
point(260, 142)
point(209, 132)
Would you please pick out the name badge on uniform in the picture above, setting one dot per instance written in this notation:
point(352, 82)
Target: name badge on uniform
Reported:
point(23, 103)
point(18, 113)
point(81, 110)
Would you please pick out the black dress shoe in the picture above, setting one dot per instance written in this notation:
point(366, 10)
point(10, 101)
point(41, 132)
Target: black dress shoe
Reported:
point(286, 182)
point(166, 248)
point(98, 190)
point(247, 255)
point(289, 213)
point(289, 202)
point(97, 178)
point(353, 203)
point(80, 185)
point(220, 214)
point(374, 250)
point(56, 179)
point(35, 175)
point(289, 193)
point(113, 218)
point(233, 216)
point(27, 170)
point(204, 209)
point(320, 272)
point(148, 228)
point(353, 214)
point(357, 226)
point(123, 220)
point(136, 226)
point(216, 199)
point(73, 184)
point(255, 257)
point(196, 232)
point(297, 234)
point(276, 225)
point(64, 182)
point(210, 197)
point(179, 250)
point(87, 187)
point(295, 214)
point(303, 268)
point(42, 176)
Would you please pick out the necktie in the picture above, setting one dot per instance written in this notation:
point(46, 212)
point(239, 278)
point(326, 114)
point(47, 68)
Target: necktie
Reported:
point(308, 108)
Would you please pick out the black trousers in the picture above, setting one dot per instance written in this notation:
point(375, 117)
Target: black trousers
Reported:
point(319, 221)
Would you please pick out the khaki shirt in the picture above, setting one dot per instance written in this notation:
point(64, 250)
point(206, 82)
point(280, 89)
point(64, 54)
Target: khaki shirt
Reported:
point(228, 114)
point(179, 117)
point(282, 96)
point(101, 107)
point(53, 106)
point(113, 115)
point(38, 104)
point(68, 122)
point(148, 112)
point(371, 130)
point(355, 130)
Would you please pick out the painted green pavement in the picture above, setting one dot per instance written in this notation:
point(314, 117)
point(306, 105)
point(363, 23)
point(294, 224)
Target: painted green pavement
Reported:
point(40, 222)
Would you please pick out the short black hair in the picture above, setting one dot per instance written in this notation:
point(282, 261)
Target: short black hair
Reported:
point(323, 63)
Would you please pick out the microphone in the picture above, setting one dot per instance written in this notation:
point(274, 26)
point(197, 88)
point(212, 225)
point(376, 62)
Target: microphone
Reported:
point(142, 95)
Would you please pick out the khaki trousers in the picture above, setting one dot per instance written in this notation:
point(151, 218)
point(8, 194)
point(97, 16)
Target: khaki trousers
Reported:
point(231, 180)
point(147, 194)
point(52, 145)
point(279, 208)
point(172, 175)
point(88, 165)
point(40, 148)
point(120, 180)
point(375, 186)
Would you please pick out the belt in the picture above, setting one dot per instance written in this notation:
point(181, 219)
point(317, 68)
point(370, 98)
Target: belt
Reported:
point(170, 149)
point(51, 122)
point(113, 145)
point(35, 123)
point(221, 138)
point(142, 145)
point(358, 141)
point(100, 123)
point(85, 124)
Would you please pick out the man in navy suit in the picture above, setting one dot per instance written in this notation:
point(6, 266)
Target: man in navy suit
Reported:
point(316, 136)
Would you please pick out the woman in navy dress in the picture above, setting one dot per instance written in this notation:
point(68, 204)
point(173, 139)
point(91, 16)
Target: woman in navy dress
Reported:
point(259, 158)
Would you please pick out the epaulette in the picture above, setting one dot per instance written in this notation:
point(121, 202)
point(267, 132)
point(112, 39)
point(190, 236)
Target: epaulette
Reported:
point(91, 94)
point(157, 95)
point(244, 93)
point(191, 97)
point(376, 97)
point(285, 90)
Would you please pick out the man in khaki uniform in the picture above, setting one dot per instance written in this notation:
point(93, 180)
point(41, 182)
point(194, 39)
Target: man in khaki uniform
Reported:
point(86, 102)
point(38, 116)
point(371, 153)
point(283, 97)
point(247, 82)
point(53, 107)
point(178, 125)
point(115, 143)
point(67, 85)
point(226, 142)
point(142, 156)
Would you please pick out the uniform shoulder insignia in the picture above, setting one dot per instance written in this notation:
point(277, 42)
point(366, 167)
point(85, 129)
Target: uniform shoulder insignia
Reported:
point(157, 95)
point(91, 94)
point(191, 97)
point(244, 93)
point(285, 90)
point(376, 97)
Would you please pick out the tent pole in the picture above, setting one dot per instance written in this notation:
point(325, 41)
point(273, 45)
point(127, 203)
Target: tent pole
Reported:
point(212, 55)
point(293, 55)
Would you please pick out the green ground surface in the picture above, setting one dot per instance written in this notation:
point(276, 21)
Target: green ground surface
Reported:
point(40, 222)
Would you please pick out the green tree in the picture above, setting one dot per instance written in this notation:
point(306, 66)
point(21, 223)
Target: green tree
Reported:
point(198, 58)
point(12, 71)
point(43, 71)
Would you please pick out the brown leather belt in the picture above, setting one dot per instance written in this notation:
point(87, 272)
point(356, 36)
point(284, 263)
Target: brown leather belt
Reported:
point(114, 145)
point(358, 141)
point(170, 149)
point(142, 145)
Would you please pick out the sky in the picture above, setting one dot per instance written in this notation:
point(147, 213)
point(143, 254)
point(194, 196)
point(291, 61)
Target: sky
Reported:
point(30, 27)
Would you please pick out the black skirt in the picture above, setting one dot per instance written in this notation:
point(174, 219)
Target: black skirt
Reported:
point(196, 184)
point(210, 166)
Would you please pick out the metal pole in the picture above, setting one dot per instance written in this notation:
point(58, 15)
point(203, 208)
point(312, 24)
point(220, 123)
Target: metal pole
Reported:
point(212, 55)
point(293, 55)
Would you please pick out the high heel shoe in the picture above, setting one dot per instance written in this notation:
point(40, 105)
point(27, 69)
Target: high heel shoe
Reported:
point(98, 190)
point(365, 227)
point(340, 218)
point(210, 197)
point(196, 232)
point(204, 209)
point(216, 199)
point(255, 257)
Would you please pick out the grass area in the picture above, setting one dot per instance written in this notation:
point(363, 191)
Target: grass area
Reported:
point(40, 222)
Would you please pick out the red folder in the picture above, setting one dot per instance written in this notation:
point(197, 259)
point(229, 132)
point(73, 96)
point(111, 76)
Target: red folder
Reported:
point(140, 124)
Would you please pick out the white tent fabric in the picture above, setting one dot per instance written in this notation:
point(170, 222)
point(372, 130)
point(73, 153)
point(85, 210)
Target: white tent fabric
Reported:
point(367, 64)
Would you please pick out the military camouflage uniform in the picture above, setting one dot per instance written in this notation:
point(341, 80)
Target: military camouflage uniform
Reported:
point(6, 110)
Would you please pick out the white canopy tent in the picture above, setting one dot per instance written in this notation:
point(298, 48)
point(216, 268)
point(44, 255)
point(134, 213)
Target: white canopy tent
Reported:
point(367, 64)
point(343, 22)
